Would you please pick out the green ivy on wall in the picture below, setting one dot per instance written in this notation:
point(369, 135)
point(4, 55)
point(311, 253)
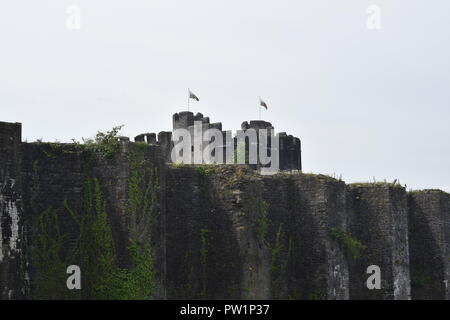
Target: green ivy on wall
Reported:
point(94, 250)
point(351, 246)
point(96, 246)
point(262, 221)
point(45, 255)
point(142, 194)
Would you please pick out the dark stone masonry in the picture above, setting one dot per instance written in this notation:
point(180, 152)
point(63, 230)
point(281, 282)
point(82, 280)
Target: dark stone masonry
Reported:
point(215, 231)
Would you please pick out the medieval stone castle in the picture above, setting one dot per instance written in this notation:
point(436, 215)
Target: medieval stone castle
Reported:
point(214, 231)
point(289, 146)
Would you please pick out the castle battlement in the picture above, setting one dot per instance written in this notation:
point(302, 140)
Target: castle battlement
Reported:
point(289, 150)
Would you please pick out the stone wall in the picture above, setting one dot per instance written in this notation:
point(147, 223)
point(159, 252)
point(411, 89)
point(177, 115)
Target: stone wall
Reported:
point(13, 276)
point(216, 232)
point(203, 259)
point(286, 236)
point(55, 178)
point(268, 237)
point(429, 233)
point(378, 218)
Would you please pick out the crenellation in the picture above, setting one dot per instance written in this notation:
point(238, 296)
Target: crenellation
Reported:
point(198, 116)
point(166, 144)
point(183, 120)
point(289, 152)
point(148, 138)
point(259, 124)
point(216, 125)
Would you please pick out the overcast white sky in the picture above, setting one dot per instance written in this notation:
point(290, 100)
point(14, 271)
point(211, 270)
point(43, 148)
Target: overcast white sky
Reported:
point(365, 103)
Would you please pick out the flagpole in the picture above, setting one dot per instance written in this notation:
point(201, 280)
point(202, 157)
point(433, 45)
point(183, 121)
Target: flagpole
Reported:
point(259, 107)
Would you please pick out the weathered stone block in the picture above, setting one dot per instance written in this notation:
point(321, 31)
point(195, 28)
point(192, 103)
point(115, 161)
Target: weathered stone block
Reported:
point(378, 217)
point(12, 241)
point(429, 238)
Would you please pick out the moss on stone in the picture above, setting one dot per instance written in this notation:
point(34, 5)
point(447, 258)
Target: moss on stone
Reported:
point(262, 221)
point(350, 245)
